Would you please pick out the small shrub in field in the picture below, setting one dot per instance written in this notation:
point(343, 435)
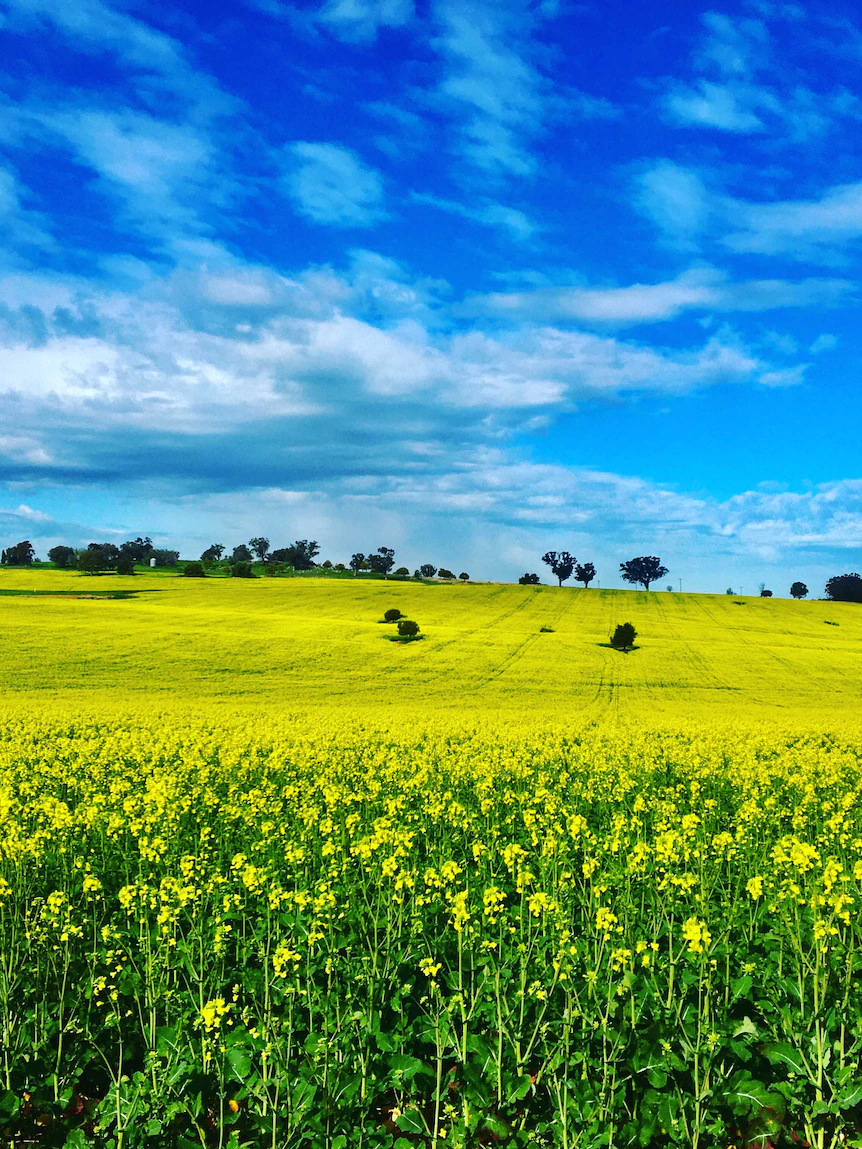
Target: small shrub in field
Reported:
point(624, 636)
point(192, 570)
point(529, 580)
point(402, 572)
point(126, 565)
point(546, 630)
point(242, 570)
point(444, 573)
point(766, 594)
point(392, 615)
point(407, 628)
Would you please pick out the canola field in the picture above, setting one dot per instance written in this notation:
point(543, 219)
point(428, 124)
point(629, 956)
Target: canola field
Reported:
point(270, 879)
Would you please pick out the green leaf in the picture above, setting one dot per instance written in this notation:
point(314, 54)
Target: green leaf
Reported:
point(9, 1103)
point(411, 1122)
point(240, 1063)
point(76, 1140)
point(781, 1053)
point(746, 1028)
point(407, 1067)
point(339, 1142)
point(657, 1078)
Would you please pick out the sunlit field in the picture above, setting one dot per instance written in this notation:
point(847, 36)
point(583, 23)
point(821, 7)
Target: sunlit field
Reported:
point(268, 878)
point(299, 644)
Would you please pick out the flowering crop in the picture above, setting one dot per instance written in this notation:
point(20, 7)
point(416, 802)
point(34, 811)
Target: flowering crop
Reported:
point(270, 880)
point(246, 934)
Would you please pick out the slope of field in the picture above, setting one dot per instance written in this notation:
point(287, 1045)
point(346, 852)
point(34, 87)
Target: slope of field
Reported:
point(297, 644)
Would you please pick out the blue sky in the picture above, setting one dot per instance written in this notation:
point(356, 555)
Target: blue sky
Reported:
point(469, 278)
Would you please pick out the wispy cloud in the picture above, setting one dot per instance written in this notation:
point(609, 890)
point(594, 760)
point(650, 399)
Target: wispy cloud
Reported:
point(746, 83)
point(700, 289)
point(813, 229)
point(331, 185)
point(359, 21)
point(21, 226)
point(677, 201)
point(489, 213)
point(494, 88)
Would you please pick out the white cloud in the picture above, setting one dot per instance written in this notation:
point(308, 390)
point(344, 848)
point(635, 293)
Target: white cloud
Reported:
point(700, 289)
point(359, 21)
point(809, 229)
point(331, 185)
point(709, 105)
point(160, 171)
point(20, 225)
point(489, 213)
point(676, 200)
point(744, 83)
point(155, 63)
point(493, 87)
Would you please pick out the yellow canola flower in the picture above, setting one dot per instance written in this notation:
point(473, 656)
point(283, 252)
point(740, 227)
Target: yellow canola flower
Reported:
point(696, 935)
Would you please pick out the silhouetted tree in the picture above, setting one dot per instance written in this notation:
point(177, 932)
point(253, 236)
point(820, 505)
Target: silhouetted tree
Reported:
point(845, 588)
point(241, 554)
point(61, 556)
point(91, 562)
point(643, 570)
point(358, 562)
point(529, 580)
point(139, 549)
point(561, 564)
point(444, 573)
point(126, 565)
point(109, 552)
point(383, 561)
point(427, 570)
point(402, 572)
point(798, 590)
point(260, 546)
point(464, 577)
point(624, 636)
point(300, 555)
point(21, 555)
point(766, 594)
point(392, 615)
point(585, 573)
point(728, 591)
point(213, 554)
point(407, 628)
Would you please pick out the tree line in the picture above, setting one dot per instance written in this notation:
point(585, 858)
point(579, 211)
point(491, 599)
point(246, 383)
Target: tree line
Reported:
point(301, 555)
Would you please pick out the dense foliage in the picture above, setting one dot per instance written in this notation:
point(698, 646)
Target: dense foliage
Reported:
point(250, 936)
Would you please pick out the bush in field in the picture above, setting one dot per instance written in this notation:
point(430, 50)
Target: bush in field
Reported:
point(407, 628)
point(464, 577)
point(624, 637)
point(126, 565)
point(194, 570)
point(392, 615)
point(799, 590)
point(766, 594)
point(529, 580)
point(241, 570)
